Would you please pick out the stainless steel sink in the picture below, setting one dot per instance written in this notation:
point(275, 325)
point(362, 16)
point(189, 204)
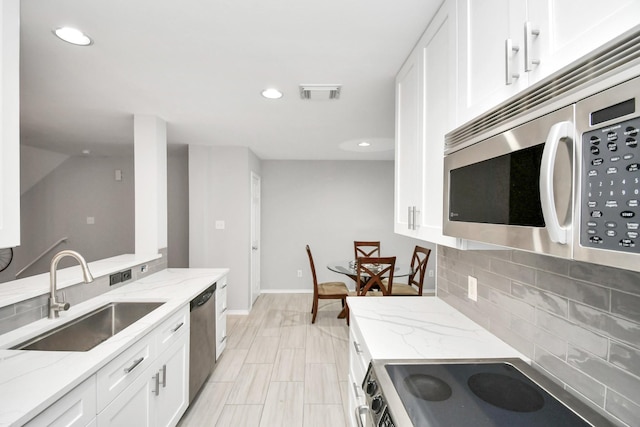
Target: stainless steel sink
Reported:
point(86, 332)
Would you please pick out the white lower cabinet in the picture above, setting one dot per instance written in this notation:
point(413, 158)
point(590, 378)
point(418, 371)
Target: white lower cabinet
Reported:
point(359, 358)
point(172, 398)
point(76, 409)
point(221, 316)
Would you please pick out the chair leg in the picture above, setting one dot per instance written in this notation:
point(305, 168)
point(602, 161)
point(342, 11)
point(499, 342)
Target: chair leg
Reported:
point(314, 310)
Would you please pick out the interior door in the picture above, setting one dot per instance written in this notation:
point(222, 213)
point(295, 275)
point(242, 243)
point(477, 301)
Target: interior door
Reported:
point(255, 236)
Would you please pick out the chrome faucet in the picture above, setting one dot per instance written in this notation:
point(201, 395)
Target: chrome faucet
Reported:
point(54, 306)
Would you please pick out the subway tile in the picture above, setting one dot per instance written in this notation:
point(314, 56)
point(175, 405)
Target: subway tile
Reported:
point(503, 254)
point(541, 262)
point(625, 357)
point(514, 271)
point(21, 319)
point(615, 378)
point(586, 293)
point(581, 382)
point(32, 303)
point(615, 278)
point(512, 338)
point(622, 408)
point(541, 299)
point(512, 305)
point(625, 305)
point(614, 327)
point(574, 333)
point(475, 259)
point(6, 312)
point(492, 280)
point(530, 332)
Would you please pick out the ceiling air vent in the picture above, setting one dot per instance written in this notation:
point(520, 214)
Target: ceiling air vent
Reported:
point(319, 92)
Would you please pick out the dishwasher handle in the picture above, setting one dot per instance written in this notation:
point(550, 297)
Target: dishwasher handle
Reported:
point(202, 299)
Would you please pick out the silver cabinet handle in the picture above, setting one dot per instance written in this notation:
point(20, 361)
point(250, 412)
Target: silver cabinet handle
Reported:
point(223, 339)
point(510, 49)
point(410, 218)
point(177, 327)
point(164, 376)
point(530, 32)
point(357, 347)
point(415, 217)
point(360, 411)
point(133, 366)
point(355, 390)
point(156, 377)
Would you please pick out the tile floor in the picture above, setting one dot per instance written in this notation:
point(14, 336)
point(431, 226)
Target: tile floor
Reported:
point(278, 369)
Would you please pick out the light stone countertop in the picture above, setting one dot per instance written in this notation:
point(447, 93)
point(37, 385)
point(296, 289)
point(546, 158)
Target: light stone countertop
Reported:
point(30, 381)
point(423, 328)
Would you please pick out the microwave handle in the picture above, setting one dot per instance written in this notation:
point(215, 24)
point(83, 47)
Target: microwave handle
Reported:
point(557, 233)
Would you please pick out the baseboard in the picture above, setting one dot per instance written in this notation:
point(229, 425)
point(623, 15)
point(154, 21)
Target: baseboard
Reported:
point(286, 291)
point(238, 312)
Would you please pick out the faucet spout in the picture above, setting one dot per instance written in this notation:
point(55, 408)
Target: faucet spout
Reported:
point(56, 306)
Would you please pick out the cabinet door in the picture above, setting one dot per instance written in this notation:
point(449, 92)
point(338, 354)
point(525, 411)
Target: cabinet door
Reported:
point(9, 123)
point(76, 409)
point(132, 407)
point(483, 28)
point(408, 139)
point(571, 29)
point(221, 317)
point(173, 398)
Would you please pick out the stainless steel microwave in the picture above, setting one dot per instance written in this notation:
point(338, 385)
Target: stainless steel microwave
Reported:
point(561, 176)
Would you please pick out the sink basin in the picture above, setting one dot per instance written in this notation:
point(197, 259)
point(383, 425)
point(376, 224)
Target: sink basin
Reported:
point(86, 332)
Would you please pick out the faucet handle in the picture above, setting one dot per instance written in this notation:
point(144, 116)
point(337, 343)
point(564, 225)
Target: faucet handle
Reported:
point(63, 304)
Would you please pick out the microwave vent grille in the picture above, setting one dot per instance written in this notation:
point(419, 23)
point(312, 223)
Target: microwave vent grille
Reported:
point(612, 57)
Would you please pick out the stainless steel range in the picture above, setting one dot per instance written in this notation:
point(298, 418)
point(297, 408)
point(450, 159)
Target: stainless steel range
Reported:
point(478, 393)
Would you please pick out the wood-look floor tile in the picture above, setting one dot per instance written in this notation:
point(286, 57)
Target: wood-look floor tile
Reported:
point(229, 365)
point(263, 350)
point(294, 336)
point(208, 405)
point(284, 405)
point(272, 323)
point(319, 346)
point(344, 392)
point(321, 384)
point(341, 354)
point(289, 365)
point(240, 415)
point(243, 335)
point(251, 385)
point(323, 416)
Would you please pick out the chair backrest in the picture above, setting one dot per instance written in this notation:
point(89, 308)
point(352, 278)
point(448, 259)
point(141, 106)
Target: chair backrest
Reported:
point(366, 249)
point(313, 272)
point(371, 270)
point(419, 267)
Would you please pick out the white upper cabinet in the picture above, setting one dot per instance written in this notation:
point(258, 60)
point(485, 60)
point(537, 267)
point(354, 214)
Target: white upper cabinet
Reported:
point(9, 123)
point(424, 113)
point(505, 46)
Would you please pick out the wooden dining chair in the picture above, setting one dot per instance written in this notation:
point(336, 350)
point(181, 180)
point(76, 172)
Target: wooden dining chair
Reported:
point(366, 249)
point(374, 276)
point(414, 285)
point(325, 290)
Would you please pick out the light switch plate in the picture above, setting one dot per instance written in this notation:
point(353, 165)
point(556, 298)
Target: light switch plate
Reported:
point(472, 292)
point(220, 225)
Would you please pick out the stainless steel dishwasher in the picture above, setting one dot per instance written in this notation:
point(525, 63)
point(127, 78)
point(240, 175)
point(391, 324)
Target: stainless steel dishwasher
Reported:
point(202, 345)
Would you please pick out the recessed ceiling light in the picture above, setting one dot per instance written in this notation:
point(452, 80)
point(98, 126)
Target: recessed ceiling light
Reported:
point(364, 144)
point(73, 36)
point(272, 93)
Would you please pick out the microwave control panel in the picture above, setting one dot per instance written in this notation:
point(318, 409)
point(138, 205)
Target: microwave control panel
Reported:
point(610, 211)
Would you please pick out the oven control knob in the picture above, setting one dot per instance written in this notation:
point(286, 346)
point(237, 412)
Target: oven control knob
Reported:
point(371, 387)
point(376, 404)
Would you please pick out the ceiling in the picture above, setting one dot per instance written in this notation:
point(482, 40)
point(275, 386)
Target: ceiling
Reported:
point(200, 65)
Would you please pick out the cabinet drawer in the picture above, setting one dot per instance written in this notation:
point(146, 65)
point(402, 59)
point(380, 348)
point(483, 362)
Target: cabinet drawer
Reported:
point(359, 356)
point(131, 407)
point(114, 378)
point(221, 296)
point(76, 408)
point(171, 329)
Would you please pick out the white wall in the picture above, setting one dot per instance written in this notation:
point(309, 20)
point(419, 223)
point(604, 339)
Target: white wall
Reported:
point(328, 205)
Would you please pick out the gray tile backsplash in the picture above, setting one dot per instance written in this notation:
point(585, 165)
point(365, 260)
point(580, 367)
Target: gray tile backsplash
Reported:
point(27, 311)
point(578, 322)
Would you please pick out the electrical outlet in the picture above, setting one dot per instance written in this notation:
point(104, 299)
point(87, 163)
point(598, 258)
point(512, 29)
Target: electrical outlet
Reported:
point(115, 278)
point(144, 268)
point(126, 275)
point(472, 292)
point(431, 273)
point(299, 273)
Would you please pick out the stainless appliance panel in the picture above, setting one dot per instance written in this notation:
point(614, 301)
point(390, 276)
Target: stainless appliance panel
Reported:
point(202, 340)
point(528, 238)
point(615, 122)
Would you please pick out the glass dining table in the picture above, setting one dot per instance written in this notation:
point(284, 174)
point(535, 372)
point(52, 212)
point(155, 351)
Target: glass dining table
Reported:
point(348, 269)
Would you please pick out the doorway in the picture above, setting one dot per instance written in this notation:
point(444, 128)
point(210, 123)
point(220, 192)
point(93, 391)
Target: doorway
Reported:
point(255, 237)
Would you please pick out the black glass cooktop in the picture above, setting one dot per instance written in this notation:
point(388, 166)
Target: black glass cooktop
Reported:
point(478, 395)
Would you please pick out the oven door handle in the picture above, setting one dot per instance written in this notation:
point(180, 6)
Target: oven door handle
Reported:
point(362, 410)
point(559, 131)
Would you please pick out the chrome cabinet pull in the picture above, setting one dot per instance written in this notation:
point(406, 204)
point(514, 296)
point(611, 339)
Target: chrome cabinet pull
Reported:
point(530, 32)
point(177, 327)
point(133, 366)
point(223, 339)
point(164, 376)
point(355, 390)
point(415, 217)
point(156, 377)
point(510, 49)
point(410, 218)
point(360, 411)
point(357, 347)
